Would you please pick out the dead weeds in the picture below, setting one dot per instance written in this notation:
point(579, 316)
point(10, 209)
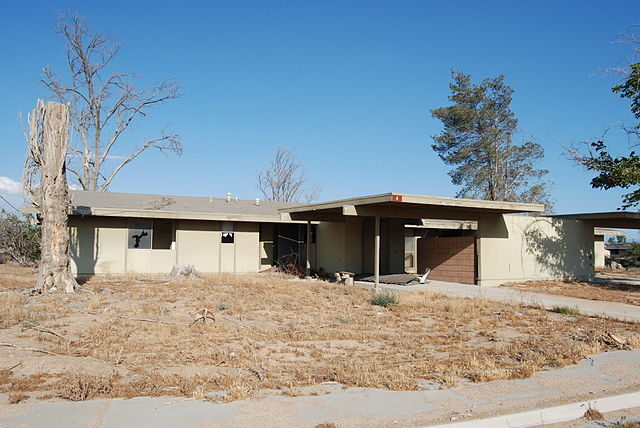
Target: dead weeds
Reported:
point(268, 333)
point(610, 289)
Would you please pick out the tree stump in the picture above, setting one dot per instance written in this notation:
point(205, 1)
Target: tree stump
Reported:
point(183, 273)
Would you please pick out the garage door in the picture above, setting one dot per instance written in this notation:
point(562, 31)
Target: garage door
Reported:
point(451, 259)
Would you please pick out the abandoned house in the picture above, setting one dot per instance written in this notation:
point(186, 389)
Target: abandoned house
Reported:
point(461, 240)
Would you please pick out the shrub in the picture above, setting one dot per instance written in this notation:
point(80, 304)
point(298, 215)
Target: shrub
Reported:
point(384, 299)
point(19, 239)
point(565, 310)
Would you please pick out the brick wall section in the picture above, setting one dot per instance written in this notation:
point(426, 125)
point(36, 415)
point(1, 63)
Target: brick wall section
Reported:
point(450, 259)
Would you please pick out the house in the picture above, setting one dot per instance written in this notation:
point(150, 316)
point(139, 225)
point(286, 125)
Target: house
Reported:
point(464, 240)
point(137, 233)
point(601, 250)
point(617, 250)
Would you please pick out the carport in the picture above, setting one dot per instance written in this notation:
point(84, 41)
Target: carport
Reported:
point(406, 208)
point(615, 219)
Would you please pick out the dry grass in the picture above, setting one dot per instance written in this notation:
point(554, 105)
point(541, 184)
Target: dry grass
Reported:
point(609, 291)
point(126, 337)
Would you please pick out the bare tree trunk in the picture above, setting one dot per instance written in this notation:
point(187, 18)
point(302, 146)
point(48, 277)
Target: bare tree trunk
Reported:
point(47, 140)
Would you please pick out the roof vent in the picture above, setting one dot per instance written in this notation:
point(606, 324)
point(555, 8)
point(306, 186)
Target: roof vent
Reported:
point(257, 201)
point(228, 196)
point(210, 200)
point(236, 199)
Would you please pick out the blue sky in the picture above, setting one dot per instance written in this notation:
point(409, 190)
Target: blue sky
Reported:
point(347, 84)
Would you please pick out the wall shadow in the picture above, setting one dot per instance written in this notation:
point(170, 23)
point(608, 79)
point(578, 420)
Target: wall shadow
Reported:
point(556, 247)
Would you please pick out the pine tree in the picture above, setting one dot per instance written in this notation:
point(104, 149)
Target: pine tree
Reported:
point(477, 141)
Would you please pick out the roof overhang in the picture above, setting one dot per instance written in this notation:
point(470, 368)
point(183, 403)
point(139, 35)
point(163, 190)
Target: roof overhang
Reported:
point(166, 214)
point(407, 207)
point(617, 219)
point(605, 231)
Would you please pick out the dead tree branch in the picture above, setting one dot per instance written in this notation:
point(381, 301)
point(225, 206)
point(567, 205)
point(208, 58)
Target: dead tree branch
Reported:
point(103, 105)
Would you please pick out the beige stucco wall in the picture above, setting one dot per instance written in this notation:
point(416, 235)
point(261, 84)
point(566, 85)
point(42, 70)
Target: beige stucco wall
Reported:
point(330, 246)
point(198, 243)
point(598, 250)
point(247, 247)
point(150, 261)
point(514, 247)
point(98, 245)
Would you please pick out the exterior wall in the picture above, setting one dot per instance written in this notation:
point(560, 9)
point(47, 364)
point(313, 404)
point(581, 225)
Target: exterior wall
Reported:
point(598, 251)
point(198, 243)
point(396, 246)
point(150, 261)
point(516, 248)
point(98, 245)
point(266, 245)
point(331, 250)
point(353, 244)
point(348, 246)
point(247, 247)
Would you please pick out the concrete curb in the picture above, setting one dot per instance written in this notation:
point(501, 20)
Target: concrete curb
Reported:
point(550, 415)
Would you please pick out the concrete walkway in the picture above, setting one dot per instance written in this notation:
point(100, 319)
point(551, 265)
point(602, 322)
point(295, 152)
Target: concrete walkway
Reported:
point(596, 376)
point(615, 310)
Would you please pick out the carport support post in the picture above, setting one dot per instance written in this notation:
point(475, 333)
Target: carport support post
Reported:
point(308, 249)
point(376, 255)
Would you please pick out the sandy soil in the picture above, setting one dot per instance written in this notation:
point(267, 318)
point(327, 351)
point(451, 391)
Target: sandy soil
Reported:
point(248, 335)
point(610, 287)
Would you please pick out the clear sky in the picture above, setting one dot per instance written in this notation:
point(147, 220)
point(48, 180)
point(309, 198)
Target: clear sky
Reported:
point(347, 84)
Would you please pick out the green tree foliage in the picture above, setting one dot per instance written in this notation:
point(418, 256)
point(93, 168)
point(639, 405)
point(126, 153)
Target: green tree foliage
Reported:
point(477, 140)
point(635, 250)
point(623, 171)
point(19, 239)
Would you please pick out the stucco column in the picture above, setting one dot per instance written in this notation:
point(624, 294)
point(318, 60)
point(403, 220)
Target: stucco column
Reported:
point(376, 254)
point(308, 249)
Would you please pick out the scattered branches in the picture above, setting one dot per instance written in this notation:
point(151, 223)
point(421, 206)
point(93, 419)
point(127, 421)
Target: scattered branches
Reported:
point(27, 348)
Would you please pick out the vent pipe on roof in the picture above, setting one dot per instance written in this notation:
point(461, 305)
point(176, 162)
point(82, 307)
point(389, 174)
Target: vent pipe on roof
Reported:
point(210, 200)
point(236, 199)
point(228, 196)
point(257, 201)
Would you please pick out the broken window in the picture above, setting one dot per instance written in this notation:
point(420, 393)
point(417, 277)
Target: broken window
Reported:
point(227, 233)
point(140, 234)
point(163, 234)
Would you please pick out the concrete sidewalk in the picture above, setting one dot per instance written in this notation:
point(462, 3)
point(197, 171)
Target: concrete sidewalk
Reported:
point(596, 376)
point(615, 310)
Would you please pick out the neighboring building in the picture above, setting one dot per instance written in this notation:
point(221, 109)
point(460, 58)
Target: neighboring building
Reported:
point(601, 251)
point(463, 240)
point(617, 250)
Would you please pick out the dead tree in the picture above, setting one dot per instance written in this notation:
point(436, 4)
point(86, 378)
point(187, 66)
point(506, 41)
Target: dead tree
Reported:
point(47, 147)
point(103, 105)
point(284, 180)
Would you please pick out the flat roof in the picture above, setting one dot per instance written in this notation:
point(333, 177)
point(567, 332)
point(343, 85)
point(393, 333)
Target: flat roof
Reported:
point(114, 204)
point(615, 219)
point(406, 206)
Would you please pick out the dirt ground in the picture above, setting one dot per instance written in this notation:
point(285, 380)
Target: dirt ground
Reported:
point(608, 287)
point(228, 337)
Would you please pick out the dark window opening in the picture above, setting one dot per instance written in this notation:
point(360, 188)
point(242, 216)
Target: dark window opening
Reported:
point(140, 234)
point(163, 234)
point(151, 234)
